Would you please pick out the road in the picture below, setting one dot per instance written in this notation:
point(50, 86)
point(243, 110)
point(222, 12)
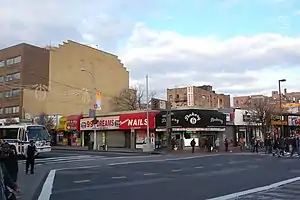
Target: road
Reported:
point(169, 177)
point(62, 159)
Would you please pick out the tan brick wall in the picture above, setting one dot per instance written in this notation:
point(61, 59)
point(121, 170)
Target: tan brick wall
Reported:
point(68, 83)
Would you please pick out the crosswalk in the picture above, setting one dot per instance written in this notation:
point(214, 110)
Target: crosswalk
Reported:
point(66, 159)
point(290, 191)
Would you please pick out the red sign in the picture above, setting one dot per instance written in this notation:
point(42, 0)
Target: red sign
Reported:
point(137, 120)
point(73, 122)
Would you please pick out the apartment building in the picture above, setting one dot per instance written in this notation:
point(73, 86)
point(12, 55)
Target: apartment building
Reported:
point(244, 101)
point(197, 96)
point(58, 80)
point(20, 65)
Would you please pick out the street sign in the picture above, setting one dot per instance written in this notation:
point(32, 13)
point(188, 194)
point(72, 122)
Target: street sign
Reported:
point(92, 113)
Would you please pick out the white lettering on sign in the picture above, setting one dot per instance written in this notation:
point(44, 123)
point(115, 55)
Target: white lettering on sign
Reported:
point(216, 120)
point(193, 118)
point(137, 122)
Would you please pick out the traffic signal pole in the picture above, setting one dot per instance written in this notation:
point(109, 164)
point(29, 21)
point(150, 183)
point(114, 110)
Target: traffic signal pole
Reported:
point(169, 124)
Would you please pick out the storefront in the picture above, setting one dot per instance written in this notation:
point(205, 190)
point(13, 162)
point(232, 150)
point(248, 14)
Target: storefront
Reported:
point(294, 124)
point(72, 134)
point(280, 125)
point(189, 124)
point(60, 129)
point(107, 131)
point(134, 126)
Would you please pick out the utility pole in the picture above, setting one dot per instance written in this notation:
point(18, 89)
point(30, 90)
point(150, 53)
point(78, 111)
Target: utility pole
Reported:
point(147, 109)
point(169, 123)
point(280, 105)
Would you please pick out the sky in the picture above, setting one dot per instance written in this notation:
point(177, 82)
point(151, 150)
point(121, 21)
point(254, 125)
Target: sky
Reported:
point(240, 47)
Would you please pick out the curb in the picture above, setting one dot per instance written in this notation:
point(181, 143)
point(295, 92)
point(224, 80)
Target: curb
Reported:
point(120, 151)
point(37, 192)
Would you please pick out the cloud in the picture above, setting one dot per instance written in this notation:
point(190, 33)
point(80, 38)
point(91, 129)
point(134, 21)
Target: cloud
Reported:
point(238, 65)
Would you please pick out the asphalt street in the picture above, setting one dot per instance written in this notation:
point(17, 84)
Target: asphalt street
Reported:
point(172, 177)
point(62, 159)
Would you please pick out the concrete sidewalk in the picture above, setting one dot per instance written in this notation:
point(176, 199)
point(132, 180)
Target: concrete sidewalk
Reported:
point(110, 150)
point(30, 184)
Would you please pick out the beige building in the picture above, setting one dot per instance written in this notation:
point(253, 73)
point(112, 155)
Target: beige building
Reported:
point(197, 96)
point(76, 72)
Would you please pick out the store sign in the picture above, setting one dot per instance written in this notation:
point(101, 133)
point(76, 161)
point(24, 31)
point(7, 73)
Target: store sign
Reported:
point(137, 121)
point(294, 120)
point(277, 120)
point(215, 119)
point(193, 118)
point(104, 123)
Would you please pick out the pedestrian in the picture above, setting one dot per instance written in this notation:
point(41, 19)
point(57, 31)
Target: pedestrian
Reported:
point(193, 144)
point(11, 161)
point(217, 144)
point(256, 144)
point(30, 153)
point(8, 188)
point(226, 143)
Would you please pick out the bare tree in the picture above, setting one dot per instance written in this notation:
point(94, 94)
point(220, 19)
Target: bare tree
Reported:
point(46, 120)
point(133, 98)
point(260, 111)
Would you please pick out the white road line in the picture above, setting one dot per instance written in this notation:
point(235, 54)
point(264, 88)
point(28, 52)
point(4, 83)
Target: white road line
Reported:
point(176, 170)
point(255, 190)
point(218, 165)
point(198, 167)
point(83, 167)
point(162, 160)
point(47, 187)
point(126, 157)
point(149, 174)
point(118, 177)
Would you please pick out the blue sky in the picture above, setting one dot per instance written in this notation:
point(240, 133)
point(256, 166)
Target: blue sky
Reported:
point(224, 19)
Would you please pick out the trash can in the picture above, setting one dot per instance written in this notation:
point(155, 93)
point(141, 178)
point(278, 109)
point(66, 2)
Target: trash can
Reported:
point(91, 145)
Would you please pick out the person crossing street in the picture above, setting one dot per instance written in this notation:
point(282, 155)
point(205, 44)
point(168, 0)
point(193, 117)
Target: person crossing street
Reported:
point(30, 154)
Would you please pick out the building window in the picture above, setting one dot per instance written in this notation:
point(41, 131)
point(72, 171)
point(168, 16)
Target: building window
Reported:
point(170, 98)
point(14, 60)
point(2, 63)
point(11, 77)
point(2, 95)
point(1, 79)
point(12, 93)
point(1, 111)
point(203, 100)
point(10, 110)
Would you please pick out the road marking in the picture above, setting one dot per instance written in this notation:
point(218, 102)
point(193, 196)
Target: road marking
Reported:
point(82, 181)
point(47, 187)
point(163, 160)
point(176, 170)
point(83, 167)
point(118, 177)
point(198, 167)
point(255, 190)
point(218, 165)
point(149, 174)
point(126, 157)
point(237, 162)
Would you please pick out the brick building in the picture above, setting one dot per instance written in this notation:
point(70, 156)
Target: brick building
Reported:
point(197, 96)
point(57, 80)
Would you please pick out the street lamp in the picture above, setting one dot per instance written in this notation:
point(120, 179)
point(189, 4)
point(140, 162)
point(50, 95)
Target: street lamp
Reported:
point(93, 101)
point(280, 105)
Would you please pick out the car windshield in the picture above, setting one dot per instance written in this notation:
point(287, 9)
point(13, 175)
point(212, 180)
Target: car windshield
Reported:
point(38, 133)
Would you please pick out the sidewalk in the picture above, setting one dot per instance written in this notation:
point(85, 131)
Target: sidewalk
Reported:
point(110, 150)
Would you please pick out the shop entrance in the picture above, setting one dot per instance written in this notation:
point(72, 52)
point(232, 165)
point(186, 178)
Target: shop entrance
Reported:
point(207, 139)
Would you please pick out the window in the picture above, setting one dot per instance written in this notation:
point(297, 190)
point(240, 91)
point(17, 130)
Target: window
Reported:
point(203, 100)
point(14, 109)
point(12, 93)
point(2, 63)
point(11, 77)
point(12, 61)
point(2, 95)
point(1, 79)
point(9, 133)
point(1, 111)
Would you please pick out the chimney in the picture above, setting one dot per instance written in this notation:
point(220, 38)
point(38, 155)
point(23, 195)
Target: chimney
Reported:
point(285, 91)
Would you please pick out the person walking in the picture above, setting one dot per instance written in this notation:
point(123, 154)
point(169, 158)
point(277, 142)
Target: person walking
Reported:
point(217, 144)
point(10, 161)
point(30, 153)
point(193, 144)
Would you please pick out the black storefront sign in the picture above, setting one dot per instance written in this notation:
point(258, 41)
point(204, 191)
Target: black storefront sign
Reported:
point(192, 118)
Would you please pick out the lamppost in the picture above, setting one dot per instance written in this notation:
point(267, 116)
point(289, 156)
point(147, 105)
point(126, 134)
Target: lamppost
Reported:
point(280, 105)
point(93, 101)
